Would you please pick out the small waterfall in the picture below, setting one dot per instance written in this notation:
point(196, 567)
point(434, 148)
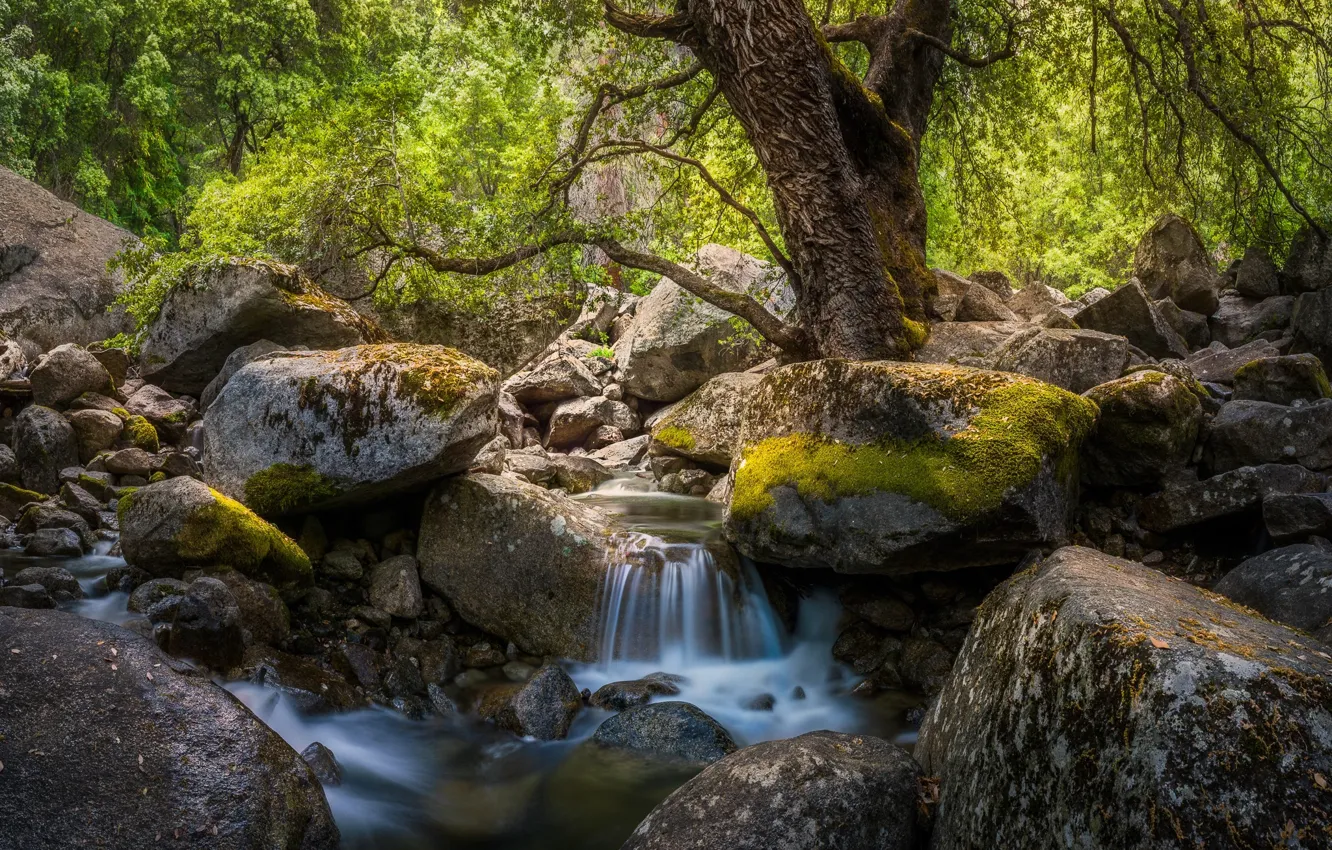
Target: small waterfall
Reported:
point(671, 603)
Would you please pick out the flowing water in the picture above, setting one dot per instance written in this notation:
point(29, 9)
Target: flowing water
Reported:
point(687, 607)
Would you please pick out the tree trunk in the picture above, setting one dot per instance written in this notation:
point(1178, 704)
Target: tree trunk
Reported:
point(841, 159)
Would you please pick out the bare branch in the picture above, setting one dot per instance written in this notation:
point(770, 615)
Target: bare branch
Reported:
point(1008, 51)
point(674, 28)
point(866, 29)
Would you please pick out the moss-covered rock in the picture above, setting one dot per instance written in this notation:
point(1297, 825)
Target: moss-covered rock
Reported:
point(1099, 703)
point(1282, 380)
point(1148, 427)
point(141, 434)
point(12, 500)
point(174, 525)
point(894, 467)
point(705, 426)
point(308, 430)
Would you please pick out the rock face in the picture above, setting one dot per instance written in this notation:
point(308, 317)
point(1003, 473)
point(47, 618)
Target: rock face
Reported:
point(65, 373)
point(180, 523)
point(1223, 495)
point(666, 730)
point(1312, 324)
point(705, 427)
point(1172, 263)
point(893, 467)
point(517, 561)
point(1239, 320)
point(1282, 380)
point(1129, 313)
point(316, 429)
point(1100, 703)
point(1076, 360)
point(98, 753)
point(1248, 433)
point(236, 304)
point(1148, 427)
point(54, 285)
point(44, 444)
point(820, 791)
point(677, 342)
point(962, 300)
point(1292, 585)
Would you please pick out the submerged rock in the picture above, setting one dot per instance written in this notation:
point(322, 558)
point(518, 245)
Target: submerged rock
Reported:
point(705, 426)
point(106, 741)
point(666, 730)
point(820, 791)
point(1099, 702)
point(618, 696)
point(310, 430)
point(893, 467)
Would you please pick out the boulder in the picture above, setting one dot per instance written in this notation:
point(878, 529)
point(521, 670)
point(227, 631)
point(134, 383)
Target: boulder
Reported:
point(236, 360)
point(95, 431)
point(1076, 360)
point(1129, 313)
point(1209, 726)
point(310, 687)
point(1282, 380)
point(995, 281)
point(236, 303)
point(1240, 320)
point(705, 426)
point(559, 377)
point(1257, 275)
point(573, 421)
point(1296, 516)
point(676, 342)
point(52, 543)
point(619, 696)
point(44, 444)
point(107, 741)
point(180, 523)
point(1292, 585)
point(65, 373)
point(820, 791)
point(1192, 327)
point(133, 461)
point(47, 515)
point(1309, 264)
point(167, 414)
point(9, 467)
point(54, 283)
point(1312, 325)
point(623, 454)
point(1171, 262)
point(14, 499)
point(1148, 427)
point(518, 561)
point(1217, 364)
point(313, 430)
point(596, 321)
point(395, 587)
point(673, 731)
point(966, 343)
point(1224, 495)
point(1035, 300)
point(578, 474)
point(1248, 433)
point(203, 624)
point(32, 596)
point(544, 708)
point(263, 614)
point(893, 467)
point(961, 300)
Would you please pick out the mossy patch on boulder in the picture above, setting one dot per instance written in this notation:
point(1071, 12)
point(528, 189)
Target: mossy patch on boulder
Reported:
point(142, 434)
point(1148, 427)
point(283, 488)
point(705, 426)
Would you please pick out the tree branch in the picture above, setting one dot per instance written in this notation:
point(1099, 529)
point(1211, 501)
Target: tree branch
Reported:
point(674, 28)
point(866, 29)
point(1008, 52)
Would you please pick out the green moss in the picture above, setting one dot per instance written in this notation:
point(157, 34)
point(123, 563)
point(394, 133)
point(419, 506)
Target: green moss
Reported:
point(675, 437)
point(121, 412)
point(156, 477)
point(228, 533)
point(917, 333)
point(966, 475)
point(284, 488)
point(142, 434)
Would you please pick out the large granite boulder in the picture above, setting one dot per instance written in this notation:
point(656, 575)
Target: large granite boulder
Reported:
point(563, 375)
point(1248, 433)
point(1076, 360)
point(1129, 313)
point(1228, 494)
point(316, 429)
point(1172, 263)
point(1309, 264)
point(178, 524)
point(1099, 703)
point(894, 467)
point(1240, 320)
point(967, 343)
point(575, 420)
point(962, 300)
point(237, 303)
point(1218, 364)
point(1312, 325)
point(676, 342)
point(44, 444)
point(1282, 380)
point(1257, 275)
point(820, 791)
point(108, 742)
point(1292, 585)
point(1148, 427)
point(518, 561)
point(54, 283)
point(1192, 327)
point(705, 427)
point(65, 373)
point(1034, 301)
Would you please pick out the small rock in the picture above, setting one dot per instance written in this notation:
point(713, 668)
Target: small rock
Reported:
point(25, 596)
point(545, 707)
point(395, 587)
point(53, 543)
point(667, 730)
point(323, 763)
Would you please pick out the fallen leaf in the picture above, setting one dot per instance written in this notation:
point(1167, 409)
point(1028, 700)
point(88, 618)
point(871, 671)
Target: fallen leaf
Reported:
point(113, 651)
point(1320, 780)
point(114, 667)
point(1160, 644)
point(2, 767)
point(16, 651)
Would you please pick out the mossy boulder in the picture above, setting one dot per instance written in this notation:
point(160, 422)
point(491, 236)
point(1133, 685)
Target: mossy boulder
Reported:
point(893, 467)
point(141, 434)
point(232, 304)
point(705, 426)
point(1147, 430)
point(1099, 703)
point(178, 524)
point(1076, 360)
point(1282, 380)
point(308, 430)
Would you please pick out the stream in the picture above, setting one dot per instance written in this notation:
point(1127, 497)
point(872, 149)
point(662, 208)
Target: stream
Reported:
point(459, 783)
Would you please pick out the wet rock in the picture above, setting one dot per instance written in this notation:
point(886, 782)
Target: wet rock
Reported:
point(395, 587)
point(181, 523)
point(1292, 585)
point(49, 516)
point(44, 444)
point(154, 590)
point(483, 654)
point(32, 596)
point(1239, 320)
point(891, 467)
point(1218, 364)
point(674, 731)
point(440, 661)
point(1147, 430)
point(967, 343)
point(1227, 494)
point(676, 342)
point(66, 372)
point(1172, 263)
point(236, 361)
point(440, 701)
point(346, 427)
point(236, 304)
point(53, 543)
point(559, 377)
point(95, 431)
point(1076, 360)
point(403, 679)
point(1296, 516)
point(1190, 696)
point(573, 421)
point(620, 696)
point(961, 300)
point(1282, 380)
point(310, 687)
point(203, 624)
point(1257, 275)
point(705, 426)
point(58, 581)
point(1249, 433)
point(78, 776)
point(1129, 313)
point(544, 708)
point(264, 615)
point(819, 791)
point(323, 763)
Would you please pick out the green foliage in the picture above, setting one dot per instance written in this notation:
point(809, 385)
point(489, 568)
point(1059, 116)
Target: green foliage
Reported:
point(602, 351)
